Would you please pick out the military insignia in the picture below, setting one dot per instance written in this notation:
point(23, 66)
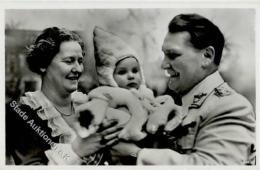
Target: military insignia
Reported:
point(198, 100)
point(198, 97)
point(221, 91)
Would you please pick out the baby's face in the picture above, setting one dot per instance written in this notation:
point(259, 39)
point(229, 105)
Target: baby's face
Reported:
point(127, 73)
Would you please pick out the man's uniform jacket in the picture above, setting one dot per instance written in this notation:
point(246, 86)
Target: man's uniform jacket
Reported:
point(220, 129)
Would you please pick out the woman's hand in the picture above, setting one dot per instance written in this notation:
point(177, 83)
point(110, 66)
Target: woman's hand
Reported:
point(105, 136)
point(123, 149)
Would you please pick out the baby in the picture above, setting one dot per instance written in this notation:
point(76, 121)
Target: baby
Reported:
point(123, 94)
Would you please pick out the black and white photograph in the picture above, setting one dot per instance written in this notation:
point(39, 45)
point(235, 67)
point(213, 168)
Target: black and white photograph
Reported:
point(130, 86)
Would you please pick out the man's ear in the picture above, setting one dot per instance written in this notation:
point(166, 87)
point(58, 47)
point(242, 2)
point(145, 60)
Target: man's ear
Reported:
point(208, 56)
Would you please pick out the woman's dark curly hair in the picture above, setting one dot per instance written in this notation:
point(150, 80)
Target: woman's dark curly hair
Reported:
point(47, 45)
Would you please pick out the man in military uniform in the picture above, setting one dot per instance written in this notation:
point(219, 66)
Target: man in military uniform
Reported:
point(219, 123)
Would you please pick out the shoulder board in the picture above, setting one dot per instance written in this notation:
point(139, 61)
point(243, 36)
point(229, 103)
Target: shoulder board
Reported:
point(221, 91)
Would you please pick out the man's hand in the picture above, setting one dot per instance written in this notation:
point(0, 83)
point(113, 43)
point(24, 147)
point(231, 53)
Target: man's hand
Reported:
point(175, 120)
point(160, 116)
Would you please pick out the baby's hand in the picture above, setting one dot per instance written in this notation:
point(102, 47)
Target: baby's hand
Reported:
point(79, 98)
point(145, 95)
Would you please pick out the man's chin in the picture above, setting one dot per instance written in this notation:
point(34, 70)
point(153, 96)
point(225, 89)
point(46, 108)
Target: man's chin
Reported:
point(72, 89)
point(173, 89)
point(172, 86)
point(178, 90)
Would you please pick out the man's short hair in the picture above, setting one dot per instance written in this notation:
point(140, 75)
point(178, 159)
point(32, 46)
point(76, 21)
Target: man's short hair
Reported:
point(202, 31)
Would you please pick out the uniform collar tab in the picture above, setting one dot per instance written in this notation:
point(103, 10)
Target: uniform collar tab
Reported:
point(199, 93)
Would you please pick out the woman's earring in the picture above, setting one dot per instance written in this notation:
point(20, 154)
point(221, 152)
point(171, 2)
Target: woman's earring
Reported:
point(43, 70)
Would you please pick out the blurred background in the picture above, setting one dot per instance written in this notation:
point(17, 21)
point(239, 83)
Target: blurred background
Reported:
point(143, 29)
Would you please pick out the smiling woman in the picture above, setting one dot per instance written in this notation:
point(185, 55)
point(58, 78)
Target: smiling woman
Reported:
point(57, 56)
point(66, 67)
